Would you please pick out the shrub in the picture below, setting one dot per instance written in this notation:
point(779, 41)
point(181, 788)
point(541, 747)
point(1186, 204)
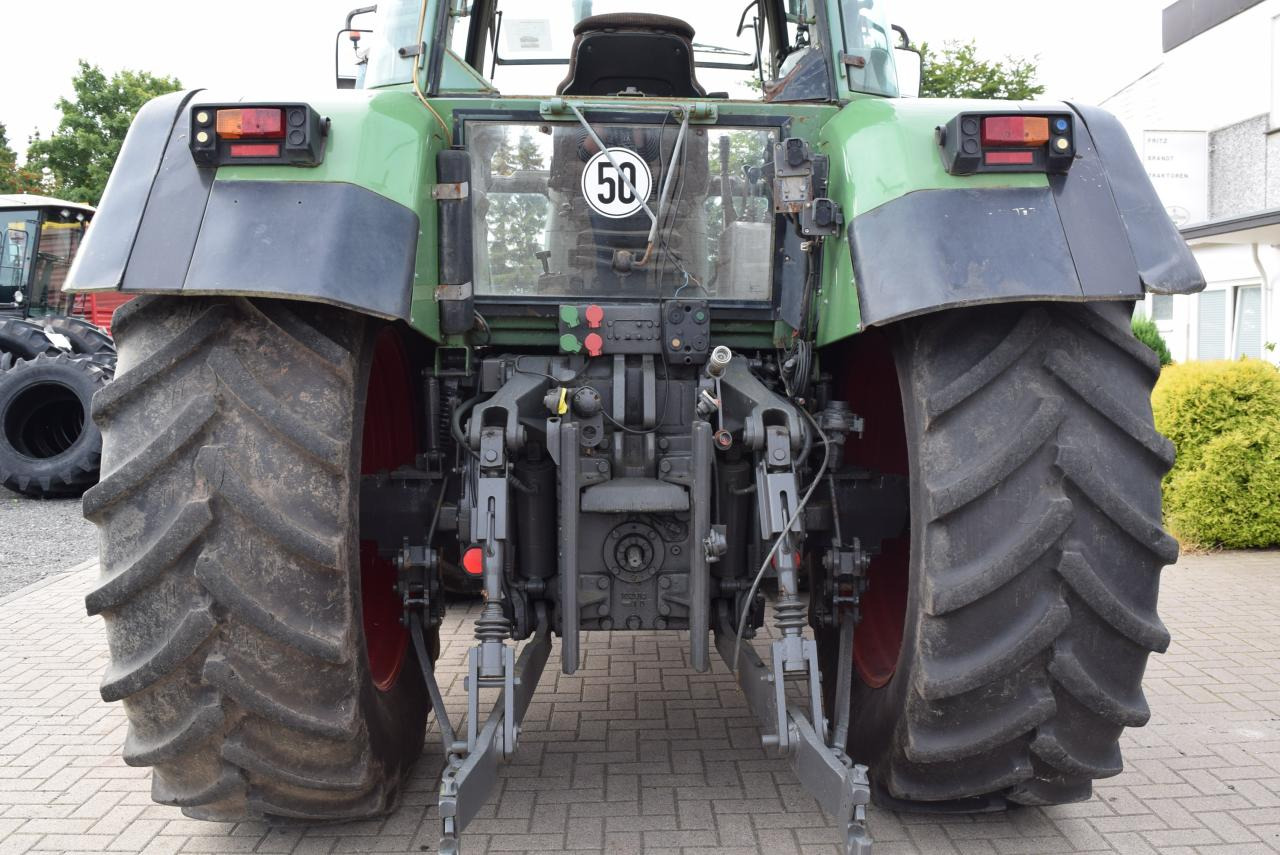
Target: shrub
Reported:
point(1195, 402)
point(1146, 332)
point(1233, 498)
point(1224, 419)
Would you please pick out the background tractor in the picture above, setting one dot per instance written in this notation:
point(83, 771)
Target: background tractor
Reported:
point(55, 350)
point(643, 323)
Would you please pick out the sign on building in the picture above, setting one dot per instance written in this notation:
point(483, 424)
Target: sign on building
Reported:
point(1178, 164)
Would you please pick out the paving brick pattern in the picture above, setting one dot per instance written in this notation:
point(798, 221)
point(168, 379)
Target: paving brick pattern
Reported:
point(636, 753)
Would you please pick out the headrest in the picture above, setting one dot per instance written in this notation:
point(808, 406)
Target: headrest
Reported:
point(634, 21)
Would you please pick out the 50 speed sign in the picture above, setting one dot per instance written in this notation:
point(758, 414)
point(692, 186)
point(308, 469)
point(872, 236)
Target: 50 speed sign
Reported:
point(606, 192)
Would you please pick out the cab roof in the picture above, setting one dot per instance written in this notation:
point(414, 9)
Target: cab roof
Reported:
point(28, 200)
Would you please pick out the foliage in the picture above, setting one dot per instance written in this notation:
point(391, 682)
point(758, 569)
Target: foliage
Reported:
point(1145, 331)
point(15, 178)
point(1195, 402)
point(82, 150)
point(1233, 498)
point(957, 72)
point(746, 149)
point(516, 220)
point(1224, 419)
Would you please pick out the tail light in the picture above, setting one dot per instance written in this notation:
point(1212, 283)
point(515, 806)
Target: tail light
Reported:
point(222, 135)
point(1008, 142)
point(250, 123)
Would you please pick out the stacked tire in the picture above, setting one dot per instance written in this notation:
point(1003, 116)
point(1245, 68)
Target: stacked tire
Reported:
point(49, 373)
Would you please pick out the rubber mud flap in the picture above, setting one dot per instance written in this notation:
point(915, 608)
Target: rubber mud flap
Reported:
point(100, 263)
point(328, 242)
point(1165, 262)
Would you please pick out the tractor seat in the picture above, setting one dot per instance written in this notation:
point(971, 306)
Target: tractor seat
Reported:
point(633, 54)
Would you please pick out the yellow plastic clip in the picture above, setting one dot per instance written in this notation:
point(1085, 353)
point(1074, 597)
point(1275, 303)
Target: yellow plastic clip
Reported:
point(562, 406)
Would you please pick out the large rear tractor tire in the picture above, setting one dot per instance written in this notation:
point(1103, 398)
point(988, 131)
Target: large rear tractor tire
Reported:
point(1002, 645)
point(260, 660)
point(49, 448)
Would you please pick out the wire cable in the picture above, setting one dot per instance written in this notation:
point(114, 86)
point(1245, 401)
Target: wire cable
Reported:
point(764, 566)
point(455, 425)
point(417, 67)
point(662, 416)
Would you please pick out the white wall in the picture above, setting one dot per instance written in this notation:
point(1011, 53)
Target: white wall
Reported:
point(1218, 78)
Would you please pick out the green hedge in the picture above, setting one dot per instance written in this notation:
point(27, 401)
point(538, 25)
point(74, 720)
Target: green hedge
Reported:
point(1233, 498)
point(1224, 419)
point(1148, 333)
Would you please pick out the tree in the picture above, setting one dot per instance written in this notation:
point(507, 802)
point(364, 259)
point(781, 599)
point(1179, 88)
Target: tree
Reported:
point(516, 220)
point(1145, 331)
point(957, 72)
point(82, 150)
point(14, 178)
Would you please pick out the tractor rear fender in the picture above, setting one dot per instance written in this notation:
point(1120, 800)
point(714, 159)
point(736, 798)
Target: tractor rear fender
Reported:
point(337, 233)
point(920, 240)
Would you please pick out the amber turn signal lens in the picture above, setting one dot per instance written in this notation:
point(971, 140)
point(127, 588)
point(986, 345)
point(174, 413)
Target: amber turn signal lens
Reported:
point(1015, 130)
point(261, 123)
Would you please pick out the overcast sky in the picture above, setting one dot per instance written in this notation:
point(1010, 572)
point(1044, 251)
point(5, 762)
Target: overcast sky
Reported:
point(1088, 49)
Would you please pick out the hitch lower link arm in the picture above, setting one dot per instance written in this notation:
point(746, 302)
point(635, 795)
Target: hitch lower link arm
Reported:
point(839, 785)
point(471, 771)
point(801, 735)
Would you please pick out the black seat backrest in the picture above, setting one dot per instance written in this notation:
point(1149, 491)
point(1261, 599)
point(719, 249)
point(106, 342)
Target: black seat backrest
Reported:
point(634, 53)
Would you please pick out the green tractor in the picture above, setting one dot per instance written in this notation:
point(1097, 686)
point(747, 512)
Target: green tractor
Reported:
point(637, 330)
point(55, 350)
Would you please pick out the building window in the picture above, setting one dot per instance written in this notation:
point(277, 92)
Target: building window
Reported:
point(1211, 325)
point(1162, 307)
point(1249, 322)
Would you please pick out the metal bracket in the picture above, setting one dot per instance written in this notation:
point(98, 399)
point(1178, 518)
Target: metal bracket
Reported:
point(777, 491)
point(698, 111)
point(456, 190)
point(507, 682)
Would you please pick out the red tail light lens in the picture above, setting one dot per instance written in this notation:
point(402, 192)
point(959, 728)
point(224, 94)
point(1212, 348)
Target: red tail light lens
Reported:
point(1010, 158)
point(1015, 130)
point(254, 149)
point(251, 123)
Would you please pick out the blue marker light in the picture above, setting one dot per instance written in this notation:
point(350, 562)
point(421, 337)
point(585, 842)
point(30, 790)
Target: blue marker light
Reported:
point(1061, 126)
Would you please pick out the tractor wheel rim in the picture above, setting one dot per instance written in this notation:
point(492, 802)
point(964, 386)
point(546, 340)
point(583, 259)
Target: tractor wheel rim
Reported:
point(388, 442)
point(877, 642)
point(875, 392)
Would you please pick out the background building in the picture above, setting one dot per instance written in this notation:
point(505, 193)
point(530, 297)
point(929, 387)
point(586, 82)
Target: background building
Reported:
point(1206, 122)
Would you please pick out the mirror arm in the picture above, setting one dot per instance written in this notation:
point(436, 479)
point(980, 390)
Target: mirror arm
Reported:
point(363, 10)
point(906, 39)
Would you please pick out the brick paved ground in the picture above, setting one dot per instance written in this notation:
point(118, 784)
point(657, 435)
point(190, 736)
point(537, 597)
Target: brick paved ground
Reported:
point(636, 753)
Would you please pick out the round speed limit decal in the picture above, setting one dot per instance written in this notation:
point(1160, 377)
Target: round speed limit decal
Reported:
point(606, 191)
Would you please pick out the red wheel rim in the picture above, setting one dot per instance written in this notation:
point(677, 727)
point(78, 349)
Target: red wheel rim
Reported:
point(877, 640)
point(388, 443)
point(874, 393)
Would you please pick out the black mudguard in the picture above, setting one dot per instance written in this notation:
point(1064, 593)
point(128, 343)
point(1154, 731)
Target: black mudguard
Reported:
point(1099, 232)
point(164, 226)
